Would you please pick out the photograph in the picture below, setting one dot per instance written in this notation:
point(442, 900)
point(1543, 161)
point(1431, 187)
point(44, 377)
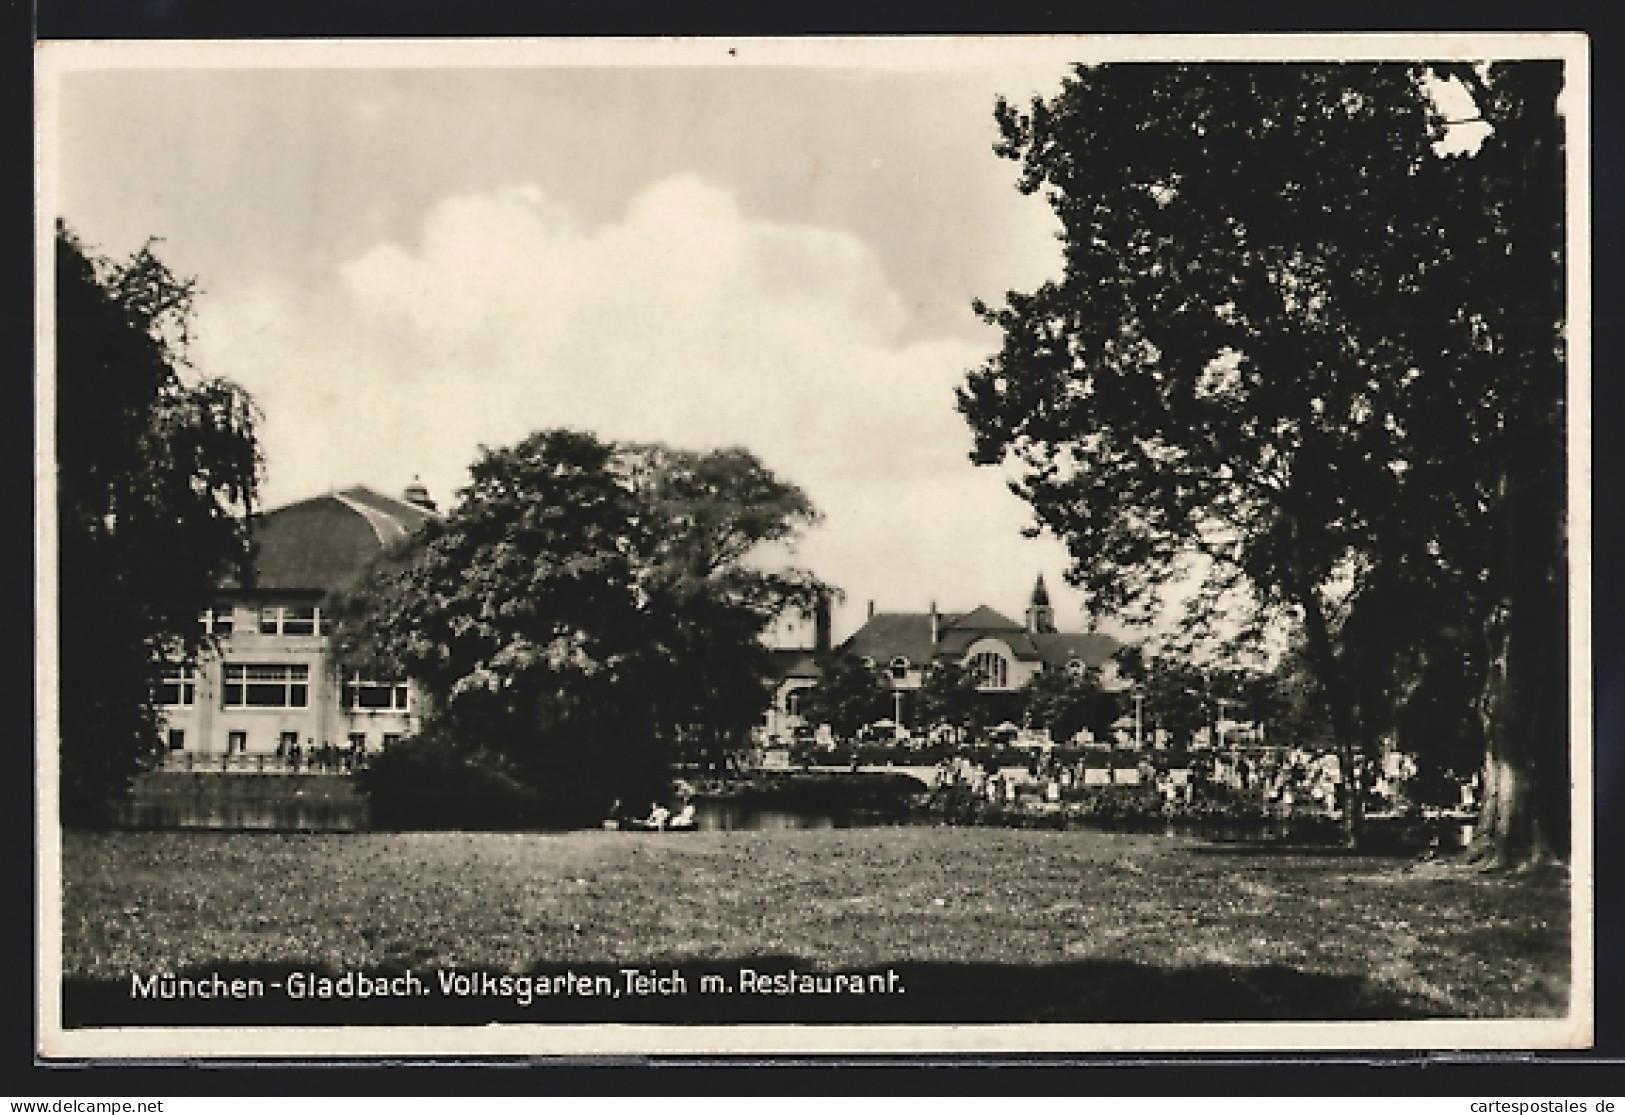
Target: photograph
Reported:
point(915, 545)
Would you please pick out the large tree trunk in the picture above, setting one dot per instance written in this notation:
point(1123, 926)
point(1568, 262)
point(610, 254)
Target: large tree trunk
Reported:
point(1340, 708)
point(1524, 815)
point(1524, 811)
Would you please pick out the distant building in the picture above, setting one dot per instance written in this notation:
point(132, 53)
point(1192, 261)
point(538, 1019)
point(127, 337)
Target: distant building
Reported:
point(273, 685)
point(1004, 655)
point(795, 670)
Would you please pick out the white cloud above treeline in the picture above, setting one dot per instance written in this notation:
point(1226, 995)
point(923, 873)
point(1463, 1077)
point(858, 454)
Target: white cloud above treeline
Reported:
point(688, 321)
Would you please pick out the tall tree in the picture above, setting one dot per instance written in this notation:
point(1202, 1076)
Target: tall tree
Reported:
point(1272, 346)
point(584, 609)
point(850, 695)
point(157, 471)
point(1065, 703)
point(707, 514)
point(950, 695)
point(1176, 697)
point(1504, 286)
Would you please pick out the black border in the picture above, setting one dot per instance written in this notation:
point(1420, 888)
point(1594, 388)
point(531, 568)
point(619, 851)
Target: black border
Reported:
point(1577, 1075)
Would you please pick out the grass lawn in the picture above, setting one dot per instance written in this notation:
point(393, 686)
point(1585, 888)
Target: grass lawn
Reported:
point(985, 923)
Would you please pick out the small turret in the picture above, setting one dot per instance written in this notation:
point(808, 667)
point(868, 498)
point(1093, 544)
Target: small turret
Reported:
point(1040, 616)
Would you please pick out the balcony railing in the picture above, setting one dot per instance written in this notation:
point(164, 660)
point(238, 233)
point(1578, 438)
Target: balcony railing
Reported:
point(316, 761)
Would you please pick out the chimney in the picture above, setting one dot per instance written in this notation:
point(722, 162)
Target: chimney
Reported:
point(936, 625)
point(871, 609)
point(821, 626)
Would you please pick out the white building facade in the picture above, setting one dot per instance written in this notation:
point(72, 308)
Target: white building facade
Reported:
point(271, 693)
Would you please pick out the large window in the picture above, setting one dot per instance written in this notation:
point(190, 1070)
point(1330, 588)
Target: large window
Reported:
point(292, 619)
point(266, 686)
point(367, 695)
point(991, 670)
point(218, 620)
point(179, 686)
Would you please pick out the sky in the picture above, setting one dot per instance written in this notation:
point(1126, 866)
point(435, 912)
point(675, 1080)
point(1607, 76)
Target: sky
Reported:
point(407, 253)
point(402, 264)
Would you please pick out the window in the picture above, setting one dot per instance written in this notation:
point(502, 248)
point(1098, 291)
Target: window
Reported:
point(991, 670)
point(1075, 667)
point(179, 686)
point(792, 702)
point(236, 743)
point(291, 619)
point(177, 739)
point(218, 620)
point(899, 668)
point(391, 739)
point(358, 740)
point(286, 742)
point(266, 686)
point(372, 696)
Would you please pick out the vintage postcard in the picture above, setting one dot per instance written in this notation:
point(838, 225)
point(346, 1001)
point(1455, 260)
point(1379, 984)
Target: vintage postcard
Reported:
point(838, 546)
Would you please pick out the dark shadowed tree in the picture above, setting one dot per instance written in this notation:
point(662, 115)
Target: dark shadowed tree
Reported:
point(1065, 703)
point(157, 470)
point(1175, 695)
point(708, 513)
point(583, 610)
point(850, 694)
point(949, 695)
point(1287, 340)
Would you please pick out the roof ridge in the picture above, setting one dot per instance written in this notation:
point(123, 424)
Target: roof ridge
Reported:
point(389, 531)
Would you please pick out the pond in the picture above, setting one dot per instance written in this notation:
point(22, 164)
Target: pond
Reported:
point(346, 813)
point(725, 815)
point(245, 814)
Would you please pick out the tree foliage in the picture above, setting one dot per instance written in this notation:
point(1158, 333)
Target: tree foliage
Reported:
point(157, 471)
point(850, 695)
point(1298, 341)
point(949, 696)
point(1065, 704)
point(585, 610)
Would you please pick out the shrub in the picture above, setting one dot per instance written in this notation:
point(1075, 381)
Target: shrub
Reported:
point(425, 782)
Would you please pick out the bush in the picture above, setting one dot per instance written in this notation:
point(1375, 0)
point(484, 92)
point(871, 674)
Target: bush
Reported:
point(425, 782)
point(1117, 802)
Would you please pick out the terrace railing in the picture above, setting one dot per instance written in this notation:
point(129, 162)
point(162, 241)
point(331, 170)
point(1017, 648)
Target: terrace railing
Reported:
point(335, 761)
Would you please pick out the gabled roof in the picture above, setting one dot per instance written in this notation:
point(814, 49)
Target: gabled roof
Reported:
point(983, 618)
point(326, 544)
point(1057, 649)
point(889, 635)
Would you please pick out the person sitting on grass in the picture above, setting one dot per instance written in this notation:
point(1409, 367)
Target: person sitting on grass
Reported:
point(685, 816)
point(658, 815)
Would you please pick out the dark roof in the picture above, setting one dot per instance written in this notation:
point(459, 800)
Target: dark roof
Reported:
point(984, 619)
point(888, 635)
point(1058, 648)
point(789, 662)
point(325, 544)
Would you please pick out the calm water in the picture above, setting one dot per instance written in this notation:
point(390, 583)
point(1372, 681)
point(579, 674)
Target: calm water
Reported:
point(715, 815)
point(319, 814)
point(315, 815)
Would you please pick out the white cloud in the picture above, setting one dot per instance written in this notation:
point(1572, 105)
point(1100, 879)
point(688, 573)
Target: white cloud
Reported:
point(686, 321)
